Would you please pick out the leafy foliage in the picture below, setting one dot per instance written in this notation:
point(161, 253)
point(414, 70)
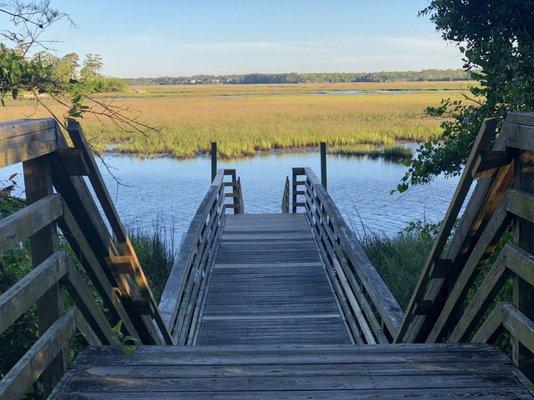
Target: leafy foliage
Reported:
point(496, 38)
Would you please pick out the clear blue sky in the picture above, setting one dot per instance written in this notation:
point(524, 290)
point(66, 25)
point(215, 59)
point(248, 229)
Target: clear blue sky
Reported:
point(158, 37)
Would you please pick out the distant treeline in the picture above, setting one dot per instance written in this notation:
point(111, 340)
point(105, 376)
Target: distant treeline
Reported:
point(316, 77)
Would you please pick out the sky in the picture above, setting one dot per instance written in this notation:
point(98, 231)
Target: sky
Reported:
point(172, 38)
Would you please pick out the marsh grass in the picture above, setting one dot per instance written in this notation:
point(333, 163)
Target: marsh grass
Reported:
point(398, 259)
point(247, 119)
point(155, 252)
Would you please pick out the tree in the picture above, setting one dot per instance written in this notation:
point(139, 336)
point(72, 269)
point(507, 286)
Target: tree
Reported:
point(496, 39)
point(92, 66)
point(26, 64)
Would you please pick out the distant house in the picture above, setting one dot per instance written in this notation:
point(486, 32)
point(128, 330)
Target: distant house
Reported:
point(30, 96)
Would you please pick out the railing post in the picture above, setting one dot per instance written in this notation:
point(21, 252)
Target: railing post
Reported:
point(294, 191)
point(522, 293)
point(38, 183)
point(213, 154)
point(323, 164)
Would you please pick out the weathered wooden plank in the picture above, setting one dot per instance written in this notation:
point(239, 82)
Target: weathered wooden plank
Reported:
point(521, 204)
point(23, 294)
point(508, 393)
point(28, 369)
point(482, 143)
point(488, 239)
point(25, 139)
point(283, 370)
point(521, 137)
point(29, 220)
point(522, 291)
point(507, 316)
point(265, 383)
point(95, 270)
point(89, 309)
point(78, 138)
point(43, 243)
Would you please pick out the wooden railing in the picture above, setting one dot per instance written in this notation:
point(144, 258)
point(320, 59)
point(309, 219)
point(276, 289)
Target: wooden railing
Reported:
point(372, 313)
point(58, 195)
point(181, 300)
point(455, 299)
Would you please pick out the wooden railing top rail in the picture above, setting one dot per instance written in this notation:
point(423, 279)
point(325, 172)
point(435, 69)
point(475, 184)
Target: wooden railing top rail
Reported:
point(25, 139)
point(169, 302)
point(374, 287)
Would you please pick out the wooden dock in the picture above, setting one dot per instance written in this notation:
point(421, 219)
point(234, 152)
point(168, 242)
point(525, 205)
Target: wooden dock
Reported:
point(269, 285)
point(304, 372)
point(269, 306)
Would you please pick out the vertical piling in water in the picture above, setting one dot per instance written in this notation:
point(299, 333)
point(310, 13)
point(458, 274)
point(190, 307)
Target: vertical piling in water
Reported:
point(213, 160)
point(323, 164)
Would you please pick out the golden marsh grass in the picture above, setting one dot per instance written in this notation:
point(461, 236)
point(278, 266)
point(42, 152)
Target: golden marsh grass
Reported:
point(245, 119)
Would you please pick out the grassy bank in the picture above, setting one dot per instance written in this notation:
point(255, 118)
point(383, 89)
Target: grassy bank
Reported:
point(399, 259)
point(246, 119)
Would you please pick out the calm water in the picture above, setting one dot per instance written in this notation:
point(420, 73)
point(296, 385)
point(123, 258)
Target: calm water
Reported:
point(171, 190)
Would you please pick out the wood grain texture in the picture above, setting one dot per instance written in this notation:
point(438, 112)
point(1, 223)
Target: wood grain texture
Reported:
point(264, 290)
point(293, 372)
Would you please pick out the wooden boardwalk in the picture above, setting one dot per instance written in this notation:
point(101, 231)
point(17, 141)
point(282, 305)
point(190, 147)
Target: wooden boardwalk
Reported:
point(278, 306)
point(342, 372)
point(271, 328)
point(269, 285)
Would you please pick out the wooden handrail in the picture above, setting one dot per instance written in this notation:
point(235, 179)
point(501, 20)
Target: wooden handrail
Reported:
point(369, 300)
point(23, 294)
point(29, 220)
point(507, 316)
point(186, 283)
point(26, 139)
point(26, 371)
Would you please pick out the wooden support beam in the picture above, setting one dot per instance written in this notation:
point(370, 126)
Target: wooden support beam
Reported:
point(489, 161)
point(73, 161)
point(38, 183)
point(523, 293)
point(482, 143)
